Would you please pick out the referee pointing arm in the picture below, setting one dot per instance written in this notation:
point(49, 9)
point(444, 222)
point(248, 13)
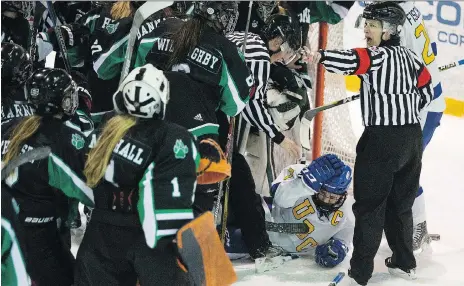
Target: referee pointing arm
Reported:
point(396, 86)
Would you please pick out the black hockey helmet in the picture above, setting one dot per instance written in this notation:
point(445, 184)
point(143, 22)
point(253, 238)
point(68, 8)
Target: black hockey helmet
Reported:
point(52, 91)
point(385, 11)
point(279, 25)
point(222, 15)
point(16, 64)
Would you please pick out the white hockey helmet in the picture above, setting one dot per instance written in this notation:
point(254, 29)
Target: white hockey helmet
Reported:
point(143, 93)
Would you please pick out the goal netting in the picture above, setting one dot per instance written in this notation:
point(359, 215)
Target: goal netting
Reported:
point(332, 130)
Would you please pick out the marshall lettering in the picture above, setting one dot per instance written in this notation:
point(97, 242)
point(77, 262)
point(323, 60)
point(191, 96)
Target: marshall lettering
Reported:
point(129, 151)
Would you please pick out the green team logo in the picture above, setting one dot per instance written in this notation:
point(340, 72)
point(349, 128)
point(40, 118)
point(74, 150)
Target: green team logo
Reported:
point(180, 149)
point(111, 28)
point(77, 141)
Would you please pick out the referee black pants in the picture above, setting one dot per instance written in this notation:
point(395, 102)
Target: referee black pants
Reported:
point(386, 179)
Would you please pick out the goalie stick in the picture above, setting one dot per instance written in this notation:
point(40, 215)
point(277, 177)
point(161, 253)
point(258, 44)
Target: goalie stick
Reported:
point(144, 11)
point(287, 227)
point(26, 157)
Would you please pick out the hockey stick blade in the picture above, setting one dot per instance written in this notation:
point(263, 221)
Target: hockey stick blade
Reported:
point(337, 279)
point(451, 65)
point(35, 154)
point(435, 237)
point(305, 134)
point(292, 228)
point(144, 11)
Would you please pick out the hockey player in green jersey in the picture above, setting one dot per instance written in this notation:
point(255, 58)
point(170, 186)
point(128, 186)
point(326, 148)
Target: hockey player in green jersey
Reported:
point(143, 172)
point(209, 68)
point(39, 185)
point(98, 42)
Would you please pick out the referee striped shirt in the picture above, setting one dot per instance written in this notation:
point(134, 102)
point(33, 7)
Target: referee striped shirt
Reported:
point(258, 61)
point(395, 86)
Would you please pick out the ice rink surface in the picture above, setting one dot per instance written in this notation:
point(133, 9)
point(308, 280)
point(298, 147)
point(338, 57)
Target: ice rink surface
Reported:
point(443, 182)
point(441, 265)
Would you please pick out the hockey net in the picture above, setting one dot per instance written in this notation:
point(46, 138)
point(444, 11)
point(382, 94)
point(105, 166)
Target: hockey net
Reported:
point(332, 130)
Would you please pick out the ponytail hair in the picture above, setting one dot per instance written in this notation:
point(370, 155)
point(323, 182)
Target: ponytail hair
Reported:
point(121, 9)
point(184, 39)
point(21, 133)
point(100, 155)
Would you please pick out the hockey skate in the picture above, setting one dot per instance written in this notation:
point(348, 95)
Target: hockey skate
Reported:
point(268, 258)
point(421, 238)
point(409, 274)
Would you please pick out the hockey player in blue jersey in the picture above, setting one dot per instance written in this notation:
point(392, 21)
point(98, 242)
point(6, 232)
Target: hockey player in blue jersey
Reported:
point(314, 195)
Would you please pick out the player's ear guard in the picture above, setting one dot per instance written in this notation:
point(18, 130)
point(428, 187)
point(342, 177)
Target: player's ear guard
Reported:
point(118, 102)
point(203, 254)
point(214, 167)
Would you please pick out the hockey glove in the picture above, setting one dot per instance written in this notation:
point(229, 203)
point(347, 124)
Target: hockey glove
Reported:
point(331, 254)
point(317, 173)
point(214, 167)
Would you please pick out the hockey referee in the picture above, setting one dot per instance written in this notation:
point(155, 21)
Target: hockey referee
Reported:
point(395, 87)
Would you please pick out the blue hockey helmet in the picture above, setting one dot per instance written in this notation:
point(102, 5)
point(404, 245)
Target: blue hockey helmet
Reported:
point(332, 194)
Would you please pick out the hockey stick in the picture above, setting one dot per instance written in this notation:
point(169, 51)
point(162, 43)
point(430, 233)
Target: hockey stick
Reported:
point(287, 227)
point(309, 115)
point(229, 152)
point(305, 125)
point(451, 65)
point(144, 11)
point(34, 29)
point(35, 154)
point(59, 37)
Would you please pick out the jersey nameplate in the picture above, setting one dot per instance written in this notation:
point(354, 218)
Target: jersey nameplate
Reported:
point(205, 59)
point(147, 28)
point(18, 110)
point(133, 152)
point(413, 15)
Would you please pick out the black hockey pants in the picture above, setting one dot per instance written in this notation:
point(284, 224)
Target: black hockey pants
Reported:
point(113, 254)
point(49, 260)
point(386, 179)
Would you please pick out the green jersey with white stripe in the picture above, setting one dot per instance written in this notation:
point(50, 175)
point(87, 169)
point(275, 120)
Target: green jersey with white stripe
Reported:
point(214, 61)
point(36, 184)
point(108, 41)
point(152, 175)
point(13, 265)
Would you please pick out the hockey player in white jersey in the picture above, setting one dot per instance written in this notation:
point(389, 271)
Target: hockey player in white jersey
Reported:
point(314, 194)
point(417, 39)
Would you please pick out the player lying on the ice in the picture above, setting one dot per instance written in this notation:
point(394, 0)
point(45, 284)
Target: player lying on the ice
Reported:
point(312, 194)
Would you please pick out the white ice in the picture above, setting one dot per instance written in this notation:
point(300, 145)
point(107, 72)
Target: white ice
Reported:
point(443, 182)
point(442, 179)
